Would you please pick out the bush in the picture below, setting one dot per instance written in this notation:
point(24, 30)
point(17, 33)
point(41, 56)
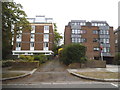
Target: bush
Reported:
point(23, 57)
point(117, 59)
point(7, 63)
point(41, 58)
point(73, 53)
point(28, 58)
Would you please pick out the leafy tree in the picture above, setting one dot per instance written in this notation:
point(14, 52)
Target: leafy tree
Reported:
point(73, 53)
point(13, 18)
point(57, 38)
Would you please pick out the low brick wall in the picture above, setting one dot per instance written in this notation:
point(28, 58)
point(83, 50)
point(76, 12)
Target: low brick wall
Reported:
point(89, 64)
point(96, 64)
point(25, 64)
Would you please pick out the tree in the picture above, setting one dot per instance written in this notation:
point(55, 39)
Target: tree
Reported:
point(13, 17)
point(73, 53)
point(57, 38)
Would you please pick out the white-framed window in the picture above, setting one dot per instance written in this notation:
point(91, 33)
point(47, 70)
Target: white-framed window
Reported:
point(46, 29)
point(32, 44)
point(45, 46)
point(18, 37)
point(33, 29)
point(32, 36)
point(46, 37)
point(96, 48)
point(18, 44)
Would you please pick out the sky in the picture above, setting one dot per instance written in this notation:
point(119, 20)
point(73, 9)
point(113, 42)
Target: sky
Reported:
point(63, 11)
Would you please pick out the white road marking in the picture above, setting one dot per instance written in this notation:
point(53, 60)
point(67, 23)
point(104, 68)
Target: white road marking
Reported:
point(114, 84)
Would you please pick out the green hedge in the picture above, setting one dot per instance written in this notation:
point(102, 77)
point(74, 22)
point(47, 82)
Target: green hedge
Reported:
point(73, 53)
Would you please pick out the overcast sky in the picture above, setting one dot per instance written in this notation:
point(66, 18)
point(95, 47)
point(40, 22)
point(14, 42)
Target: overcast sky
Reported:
point(63, 11)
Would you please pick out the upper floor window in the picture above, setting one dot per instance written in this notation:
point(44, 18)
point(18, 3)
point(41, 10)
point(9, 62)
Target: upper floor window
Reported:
point(78, 40)
point(46, 37)
point(106, 49)
point(32, 36)
point(95, 31)
point(19, 36)
point(104, 32)
point(32, 44)
point(33, 29)
point(46, 29)
point(78, 31)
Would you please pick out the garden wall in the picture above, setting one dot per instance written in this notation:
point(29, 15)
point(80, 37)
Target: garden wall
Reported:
point(11, 63)
point(25, 64)
point(89, 64)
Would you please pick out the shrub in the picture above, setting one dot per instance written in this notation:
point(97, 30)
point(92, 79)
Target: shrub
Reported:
point(28, 58)
point(72, 53)
point(41, 58)
point(23, 57)
point(7, 63)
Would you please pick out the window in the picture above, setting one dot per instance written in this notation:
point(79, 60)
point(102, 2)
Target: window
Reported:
point(78, 40)
point(104, 40)
point(95, 31)
point(19, 36)
point(46, 37)
point(95, 40)
point(33, 27)
point(116, 41)
point(106, 50)
point(46, 46)
point(32, 36)
point(46, 29)
point(104, 32)
point(77, 31)
point(32, 44)
point(107, 40)
point(96, 49)
point(18, 45)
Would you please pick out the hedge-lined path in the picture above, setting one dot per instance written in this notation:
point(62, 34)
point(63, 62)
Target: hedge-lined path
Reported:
point(52, 71)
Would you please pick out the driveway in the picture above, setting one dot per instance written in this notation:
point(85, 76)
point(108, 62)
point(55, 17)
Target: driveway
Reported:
point(52, 71)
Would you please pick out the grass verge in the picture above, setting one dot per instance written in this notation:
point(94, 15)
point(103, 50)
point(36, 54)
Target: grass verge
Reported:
point(8, 75)
point(101, 75)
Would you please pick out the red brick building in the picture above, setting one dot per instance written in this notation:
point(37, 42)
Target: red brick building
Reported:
point(93, 35)
point(39, 40)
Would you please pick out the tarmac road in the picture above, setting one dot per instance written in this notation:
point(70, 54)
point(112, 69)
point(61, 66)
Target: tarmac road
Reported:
point(52, 73)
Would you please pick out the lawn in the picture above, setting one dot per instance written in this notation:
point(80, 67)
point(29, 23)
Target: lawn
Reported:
point(101, 75)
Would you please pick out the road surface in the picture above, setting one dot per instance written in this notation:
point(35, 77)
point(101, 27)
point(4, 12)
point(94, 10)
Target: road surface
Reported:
point(54, 74)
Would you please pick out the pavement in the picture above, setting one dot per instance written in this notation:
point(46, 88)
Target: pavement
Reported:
point(109, 68)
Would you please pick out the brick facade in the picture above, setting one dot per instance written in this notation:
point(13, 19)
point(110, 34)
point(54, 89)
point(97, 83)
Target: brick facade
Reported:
point(89, 37)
